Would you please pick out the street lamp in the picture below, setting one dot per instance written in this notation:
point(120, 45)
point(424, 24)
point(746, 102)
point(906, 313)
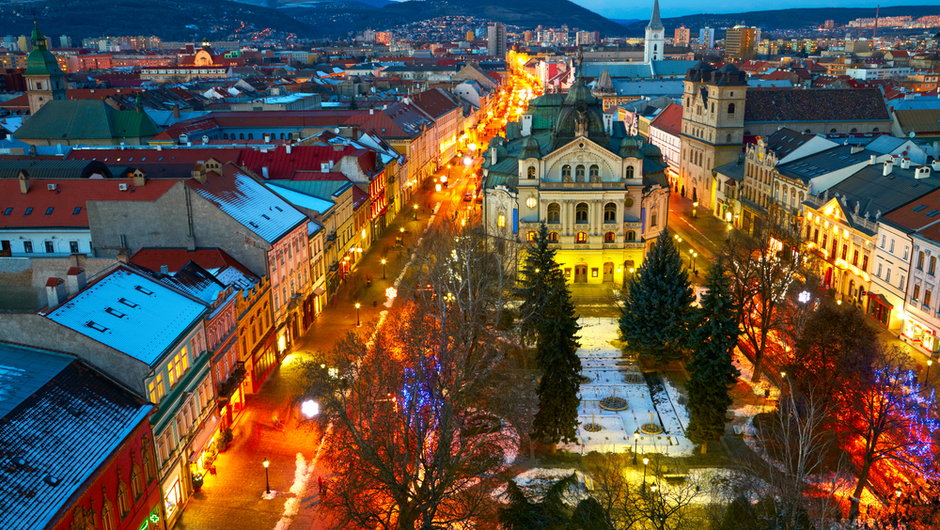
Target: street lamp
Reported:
point(927, 375)
point(694, 208)
point(692, 255)
point(646, 461)
point(358, 321)
point(267, 483)
point(384, 261)
point(636, 440)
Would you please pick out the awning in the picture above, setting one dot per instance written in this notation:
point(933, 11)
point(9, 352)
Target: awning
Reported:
point(202, 437)
point(880, 299)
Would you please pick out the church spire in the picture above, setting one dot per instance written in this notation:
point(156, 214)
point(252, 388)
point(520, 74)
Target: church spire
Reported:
point(655, 22)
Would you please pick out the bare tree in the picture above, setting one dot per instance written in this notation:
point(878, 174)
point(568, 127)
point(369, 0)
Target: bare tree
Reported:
point(412, 443)
point(763, 269)
point(888, 425)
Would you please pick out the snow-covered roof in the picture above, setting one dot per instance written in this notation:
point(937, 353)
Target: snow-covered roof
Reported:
point(251, 204)
point(302, 200)
point(70, 422)
point(131, 313)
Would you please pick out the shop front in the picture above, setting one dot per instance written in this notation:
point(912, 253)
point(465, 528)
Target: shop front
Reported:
point(879, 308)
point(174, 494)
point(263, 361)
point(920, 335)
point(203, 450)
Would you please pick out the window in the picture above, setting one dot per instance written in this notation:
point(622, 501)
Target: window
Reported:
point(916, 294)
point(137, 485)
point(28, 211)
point(73, 247)
point(610, 237)
point(553, 236)
point(631, 236)
point(107, 515)
point(155, 388)
point(49, 246)
point(845, 250)
point(927, 294)
point(530, 236)
point(595, 172)
point(920, 260)
point(49, 210)
point(500, 223)
point(654, 219)
point(581, 213)
point(891, 247)
point(554, 213)
point(730, 108)
point(7, 211)
point(878, 274)
point(610, 213)
point(28, 247)
point(150, 472)
point(855, 258)
point(579, 173)
point(123, 505)
point(629, 173)
point(77, 210)
point(531, 172)
point(581, 237)
point(566, 172)
point(932, 268)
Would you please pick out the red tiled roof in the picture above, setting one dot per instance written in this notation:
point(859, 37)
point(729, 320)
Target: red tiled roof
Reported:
point(434, 102)
point(66, 206)
point(907, 218)
point(282, 165)
point(22, 101)
point(135, 157)
point(796, 105)
point(669, 120)
point(176, 258)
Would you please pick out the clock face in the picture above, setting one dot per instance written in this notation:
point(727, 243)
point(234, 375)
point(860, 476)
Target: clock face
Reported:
point(531, 201)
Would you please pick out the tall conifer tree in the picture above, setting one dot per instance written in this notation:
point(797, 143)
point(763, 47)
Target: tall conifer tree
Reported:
point(714, 337)
point(657, 305)
point(534, 285)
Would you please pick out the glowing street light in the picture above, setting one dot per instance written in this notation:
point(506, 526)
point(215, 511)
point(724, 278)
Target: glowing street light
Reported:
point(927, 375)
point(267, 483)
point(646, 462)
point(636, 441)
point(414, 211)
point(384, 261)
point(358, 321)
point(310, 408)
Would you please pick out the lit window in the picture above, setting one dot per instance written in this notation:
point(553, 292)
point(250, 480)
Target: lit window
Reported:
point(581, 237)
point(553, 236)
point(501, 221)
point(609, 237)
point(530, 236)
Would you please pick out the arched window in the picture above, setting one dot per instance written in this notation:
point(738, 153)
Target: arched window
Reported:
point(630, 171)
point(581, 213)
point(553, 236)
point(610, 237)
point(876, 129)
point(123, 505)
point(566, 172)
point(610, 213)
point(241, 136)
point(107, 515)
point(581, 237)
point(530, 236)
point(631, 236)
point(728, 138)
point(654, 219)
point(730, 108)
point(150, 471)
point(554, 213)
point(137, 485)
point(832, 131)
point(579, 173)
point(854, 130)
point(531, 172)
point(595, 171)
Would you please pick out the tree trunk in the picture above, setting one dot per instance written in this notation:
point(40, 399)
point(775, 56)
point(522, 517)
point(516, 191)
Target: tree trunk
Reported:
point(859, 489)
point(704, 448)
point(759, 355)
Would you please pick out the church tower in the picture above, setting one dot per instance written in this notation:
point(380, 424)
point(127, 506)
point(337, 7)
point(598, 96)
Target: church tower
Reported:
point(44, 79)
point(655, 37)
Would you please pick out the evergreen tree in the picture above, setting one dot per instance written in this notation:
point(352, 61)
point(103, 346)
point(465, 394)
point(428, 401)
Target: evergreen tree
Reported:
point(657, 306)
point(556, 348)
point(714, 337)
point(534, 285)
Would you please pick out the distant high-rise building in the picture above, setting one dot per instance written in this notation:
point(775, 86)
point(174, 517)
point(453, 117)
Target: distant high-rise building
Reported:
point(829, 24)
point(741, 42)
point(706, 38)
point(682, 36)
point(65, 41)
point(586, 37)
point(22, 42)
point(655, 37)
point(496, 39)
point(470, 36)
point(383, 37)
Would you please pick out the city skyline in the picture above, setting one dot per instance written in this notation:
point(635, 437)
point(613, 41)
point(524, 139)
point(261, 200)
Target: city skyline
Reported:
point(679, 8)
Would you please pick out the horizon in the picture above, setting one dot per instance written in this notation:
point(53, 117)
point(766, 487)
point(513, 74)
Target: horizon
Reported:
point(680, 8)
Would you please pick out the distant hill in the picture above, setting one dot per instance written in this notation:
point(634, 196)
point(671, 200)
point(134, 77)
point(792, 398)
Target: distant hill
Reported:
point(783, 19)
point(528, 13)
point(168, 19)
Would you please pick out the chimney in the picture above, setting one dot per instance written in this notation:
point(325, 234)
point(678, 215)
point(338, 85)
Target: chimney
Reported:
point(856, 149)
point(371, 111)
point(267, 138)
point(526, 124)
point(922, 172)
point(264, 173)
point(905, 163)
point(493, 158)
point(935, 165)
point(287, 148)
point(23, 177)
point(75, 280)
point(888, 166)
point(872, 160)
point(55, 291)
point(176, 111)
point(164, 269)
point(184, 138)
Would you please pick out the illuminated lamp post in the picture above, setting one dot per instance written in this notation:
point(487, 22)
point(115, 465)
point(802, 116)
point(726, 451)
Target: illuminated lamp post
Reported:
point(927, 375)
point(694, 209)
point(636, 441)
point(358, 321)
point(267, 483)
point(414, 211)
point(646, 462)
point(384, 261)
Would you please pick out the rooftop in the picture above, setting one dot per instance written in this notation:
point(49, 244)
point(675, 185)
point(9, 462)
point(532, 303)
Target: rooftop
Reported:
point(131, 313)
point(822, 104)
point(63, 421)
